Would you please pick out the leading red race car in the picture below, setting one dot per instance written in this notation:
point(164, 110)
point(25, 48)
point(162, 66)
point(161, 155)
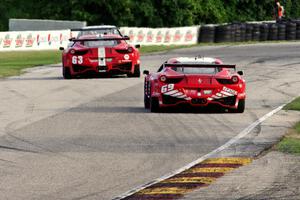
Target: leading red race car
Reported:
point(197, 82)
point(104, 53)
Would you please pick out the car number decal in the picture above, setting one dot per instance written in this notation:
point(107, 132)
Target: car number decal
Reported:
point(77, 60)
point(167, 88)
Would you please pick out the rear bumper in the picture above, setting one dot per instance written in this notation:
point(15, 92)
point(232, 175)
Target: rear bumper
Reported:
point(110, 68)
point(227, 102)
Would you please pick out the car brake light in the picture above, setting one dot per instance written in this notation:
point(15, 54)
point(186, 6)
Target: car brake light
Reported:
point(235, 79)
point(130, 49)
point(72, 51)
point(163, 78)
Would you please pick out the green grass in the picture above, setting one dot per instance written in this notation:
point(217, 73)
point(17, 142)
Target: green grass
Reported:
point(294, 105)
point(291, 142)
point(289, 145)
point(12, 63)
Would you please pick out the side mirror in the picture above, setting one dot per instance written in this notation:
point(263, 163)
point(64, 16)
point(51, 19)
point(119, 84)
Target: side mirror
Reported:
point(61, 48)
point(137, 46)
point(240, 73)
point(146, 72)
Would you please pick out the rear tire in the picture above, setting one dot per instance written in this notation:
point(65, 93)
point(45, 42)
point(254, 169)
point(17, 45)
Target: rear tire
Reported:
point(146, 102)
point(67, 73)
point(136, 73)
point(241, 106)
point(154, 104)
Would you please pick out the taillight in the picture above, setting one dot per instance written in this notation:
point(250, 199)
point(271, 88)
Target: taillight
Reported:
point(235, 79)
point(163, 78)
point(130, 49)
point(72, 51)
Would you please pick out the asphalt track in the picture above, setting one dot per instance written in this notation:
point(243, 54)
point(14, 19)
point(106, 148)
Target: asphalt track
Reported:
point(92, 138)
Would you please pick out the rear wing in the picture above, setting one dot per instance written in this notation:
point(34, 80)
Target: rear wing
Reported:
point(93, 29)
point(98, 39)
point(200, 65)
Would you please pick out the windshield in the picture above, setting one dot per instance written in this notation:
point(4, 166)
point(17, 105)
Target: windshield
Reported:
point(113, 31)
point(195, 70)
point(101, 43)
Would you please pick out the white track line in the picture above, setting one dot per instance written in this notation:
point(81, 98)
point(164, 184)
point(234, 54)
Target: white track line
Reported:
point(233, 140)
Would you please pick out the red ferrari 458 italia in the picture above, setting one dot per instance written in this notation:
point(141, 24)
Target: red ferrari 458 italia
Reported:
point(198, 82)
point(100, 51)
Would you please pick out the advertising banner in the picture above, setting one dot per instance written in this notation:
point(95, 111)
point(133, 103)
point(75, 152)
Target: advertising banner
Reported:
point(33, 40)
point(51, 40)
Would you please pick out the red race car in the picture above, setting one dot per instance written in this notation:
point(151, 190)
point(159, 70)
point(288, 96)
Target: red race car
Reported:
point(100, 54)
point(198, 82)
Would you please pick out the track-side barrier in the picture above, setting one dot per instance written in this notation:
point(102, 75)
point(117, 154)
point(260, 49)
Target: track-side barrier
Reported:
point(234, 32)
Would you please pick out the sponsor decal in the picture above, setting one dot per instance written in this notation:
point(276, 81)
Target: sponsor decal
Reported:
point(126, 57)
point(199, 80)
point(60, 38)
point(29, 40)
point(131, 35)
point(7, 41)
point(149, 36)
point(19, 41)
point(189, 36)
point(167, 37)
point(230, 91)
point(159, 37)
point(225, 92)
point(49, 39)
point(140, 36)
point(177, 36)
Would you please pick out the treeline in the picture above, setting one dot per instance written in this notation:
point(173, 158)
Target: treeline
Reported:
point(145, 13)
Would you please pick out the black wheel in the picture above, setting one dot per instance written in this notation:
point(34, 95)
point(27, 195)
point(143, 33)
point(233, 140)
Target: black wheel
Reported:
point(241, 106)
point(154, 104)
point(146, 102)
point(136, 73)
point(66, 73)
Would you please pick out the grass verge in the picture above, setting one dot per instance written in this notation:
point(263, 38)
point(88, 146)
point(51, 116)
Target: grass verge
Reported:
point(12, 63)
point(291, 142)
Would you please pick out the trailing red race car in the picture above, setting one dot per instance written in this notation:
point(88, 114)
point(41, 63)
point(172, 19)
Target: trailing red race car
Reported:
point(100, 54)
point(197, 82)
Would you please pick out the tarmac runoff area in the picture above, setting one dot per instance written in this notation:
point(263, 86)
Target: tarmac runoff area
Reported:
point(92, 139)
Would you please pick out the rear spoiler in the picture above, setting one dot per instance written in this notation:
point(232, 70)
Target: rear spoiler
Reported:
point(98, 39)
point(92, 29)
point(199, 65)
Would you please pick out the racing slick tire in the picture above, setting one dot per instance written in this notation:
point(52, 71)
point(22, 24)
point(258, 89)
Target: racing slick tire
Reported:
point(154, 104)
point(136, 73)
point(146, 102)
point(67, 73)
point(241, 106)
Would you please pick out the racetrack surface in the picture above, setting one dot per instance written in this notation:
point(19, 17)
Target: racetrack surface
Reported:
point(92, 138)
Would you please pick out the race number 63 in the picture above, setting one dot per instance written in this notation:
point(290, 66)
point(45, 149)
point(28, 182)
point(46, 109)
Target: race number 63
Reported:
point(167, 88)
point(77, 60)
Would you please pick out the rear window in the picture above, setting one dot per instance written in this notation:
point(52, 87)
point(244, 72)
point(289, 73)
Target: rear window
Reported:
point(101, 43)
point(196, 70)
